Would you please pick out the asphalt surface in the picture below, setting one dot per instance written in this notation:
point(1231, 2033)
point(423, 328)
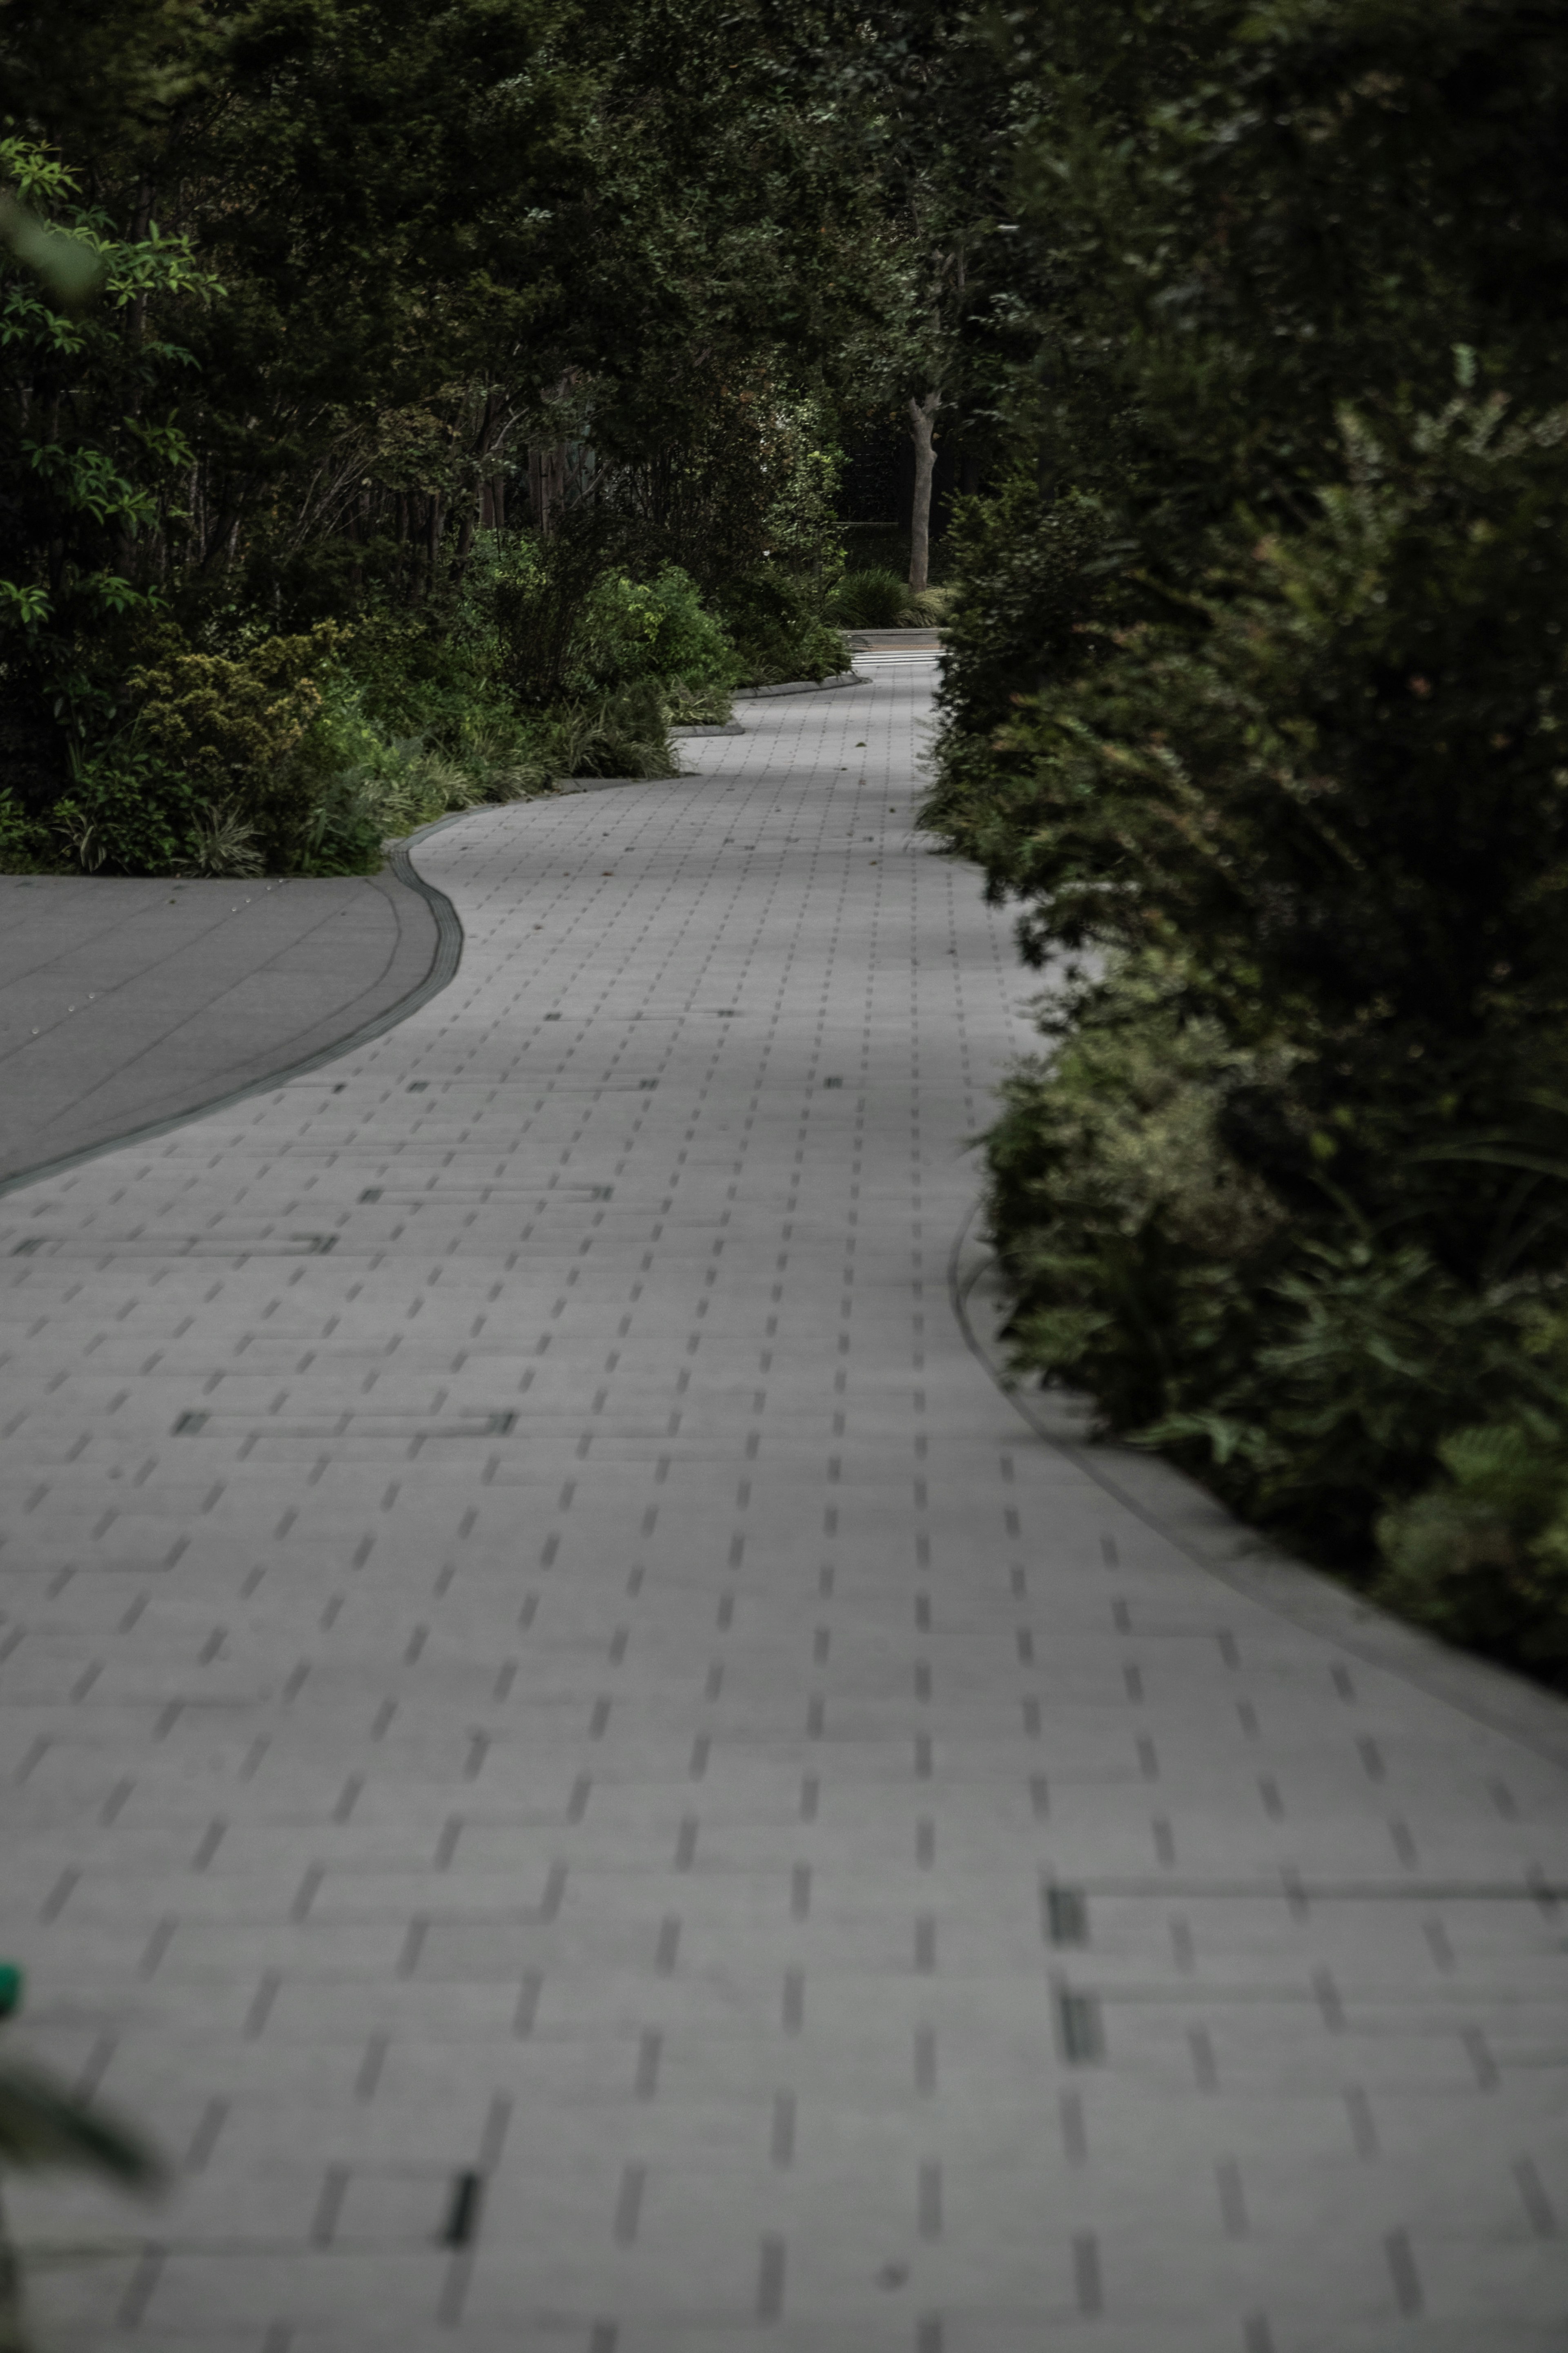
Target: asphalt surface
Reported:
point(125, 1003)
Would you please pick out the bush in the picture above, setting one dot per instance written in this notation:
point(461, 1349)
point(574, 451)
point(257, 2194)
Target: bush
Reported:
point(1481, 1557)
point(875, 597)
point(304, 754)
point(1309, 1373)
point(244, 731)
point(1291, 1197)
point(129, 811)
point(1331, 791)
point(653, 629)
point(777, 631)
point(1035, 587)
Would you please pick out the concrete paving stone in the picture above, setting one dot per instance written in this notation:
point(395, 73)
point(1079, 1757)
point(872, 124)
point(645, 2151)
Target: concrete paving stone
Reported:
point(679, 1770)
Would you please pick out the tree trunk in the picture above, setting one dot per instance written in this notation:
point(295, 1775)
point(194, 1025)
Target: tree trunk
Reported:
point(433, 543)
point(923, 424)
point(547, 486)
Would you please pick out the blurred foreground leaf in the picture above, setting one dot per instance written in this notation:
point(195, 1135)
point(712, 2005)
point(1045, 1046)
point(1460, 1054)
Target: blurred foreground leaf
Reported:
point(71, 269)
point(43, 2124)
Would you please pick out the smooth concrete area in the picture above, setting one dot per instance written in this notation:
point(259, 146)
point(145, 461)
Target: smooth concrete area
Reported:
point(604, 1790)
point(127, 1002)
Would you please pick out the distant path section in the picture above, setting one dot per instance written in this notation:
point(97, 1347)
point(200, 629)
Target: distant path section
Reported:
point(127, 1003)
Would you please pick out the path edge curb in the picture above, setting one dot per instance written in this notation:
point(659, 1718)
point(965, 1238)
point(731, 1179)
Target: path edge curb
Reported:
point(442, 970)
point(1200, 1527)
point(798, 686)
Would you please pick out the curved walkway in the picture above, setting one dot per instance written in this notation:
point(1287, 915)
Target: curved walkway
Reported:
point(604, 1791)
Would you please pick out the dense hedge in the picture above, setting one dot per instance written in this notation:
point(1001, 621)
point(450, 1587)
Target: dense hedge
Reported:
point(1257, 704)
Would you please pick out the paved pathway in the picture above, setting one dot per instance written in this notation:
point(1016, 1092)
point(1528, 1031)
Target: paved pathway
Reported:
point(554, 1707)
point(124, 1003)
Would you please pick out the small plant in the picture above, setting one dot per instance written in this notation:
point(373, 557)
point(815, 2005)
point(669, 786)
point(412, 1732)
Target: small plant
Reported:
point(778, 629)
point(1481, 1557)
point(223, 844)
point(43, 2124)
point(624, 734)
point(875, 597)
point(930, 607)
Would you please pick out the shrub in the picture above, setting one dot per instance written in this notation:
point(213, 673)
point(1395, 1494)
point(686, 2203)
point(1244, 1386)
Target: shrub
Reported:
point(658, 629)
point(539, 594)
point(26, 845)
point(777, 630)
point(1481, 1557)
point(129, 811)
point(1309, 1372)
point(1035, 586)
point(621, 734)
point(875, 597)
point(1332, 791)
point(243, 730)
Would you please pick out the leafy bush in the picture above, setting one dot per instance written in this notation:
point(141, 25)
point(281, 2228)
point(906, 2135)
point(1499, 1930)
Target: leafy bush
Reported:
point(1035, 585)
point(1289, 1198)
point(565, 621)
point(1031, 578)
point(777, 630)
point(129, 811)
point(874, 597)
point(1481, 1557)
point(1309, 1372)
point(658, 628)
point(242, 731)
point(1333, 792)
point(25, 847)
point(282, 755)
point(90, 454)
point(621, 734)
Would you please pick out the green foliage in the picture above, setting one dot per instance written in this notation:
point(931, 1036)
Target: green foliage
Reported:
point(43, 2124)
point(750, 477)
point(1035, 580)
point(543, 595)
point(873, 597)
point(1332, 788)
point(243, 730)
point(1255, 684)
point(129, 810)
point(304, 754)
point(90, 449)
point(658, 628)
point(1481, 1557)
point(487, 230)
point(777, 629)
point(1228, 220)
point(1309, 1375)
point(1285, 1199)
point(625, 733)
point(25, 844)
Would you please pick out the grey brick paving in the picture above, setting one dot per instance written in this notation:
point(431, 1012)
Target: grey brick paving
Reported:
point(605, 1794)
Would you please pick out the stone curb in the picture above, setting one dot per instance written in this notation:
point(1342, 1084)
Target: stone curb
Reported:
point(801, 686)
